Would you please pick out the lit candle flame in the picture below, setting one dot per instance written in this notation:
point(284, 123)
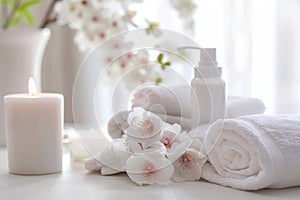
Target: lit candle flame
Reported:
point(31, 87)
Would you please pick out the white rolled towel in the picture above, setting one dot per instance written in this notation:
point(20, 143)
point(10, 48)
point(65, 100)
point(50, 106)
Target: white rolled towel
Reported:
point(252, 152)
point(176, 101)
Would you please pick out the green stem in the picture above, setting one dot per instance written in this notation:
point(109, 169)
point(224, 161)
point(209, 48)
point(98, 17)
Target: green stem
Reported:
point(12, 14)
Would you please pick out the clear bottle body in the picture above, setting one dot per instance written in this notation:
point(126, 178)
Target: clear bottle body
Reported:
point(208, 100)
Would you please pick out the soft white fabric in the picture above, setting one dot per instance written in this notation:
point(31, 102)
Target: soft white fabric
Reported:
point(118, 124)
point(173, 106)
point(238, 106)
point(252, 152)
point(176, 101)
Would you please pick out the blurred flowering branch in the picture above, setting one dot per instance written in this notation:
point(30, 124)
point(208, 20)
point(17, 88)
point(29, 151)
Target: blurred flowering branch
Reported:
point(14, 11)
point(95, 21)
point(49, 18)
point(186, 10)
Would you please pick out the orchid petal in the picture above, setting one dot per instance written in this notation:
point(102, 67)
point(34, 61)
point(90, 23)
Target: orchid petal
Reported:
point(143, 124)
point(108, 171)
point(188, 167)
point(149, 168)
point(92, 164)
point(180, 147)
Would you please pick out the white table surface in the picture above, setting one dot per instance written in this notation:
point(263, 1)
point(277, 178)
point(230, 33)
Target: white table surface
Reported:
point(75, 183)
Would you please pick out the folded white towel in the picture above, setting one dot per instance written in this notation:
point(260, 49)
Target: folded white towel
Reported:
point(118, 124)
point(252, 152)
point(176, 102)
point(238, 106)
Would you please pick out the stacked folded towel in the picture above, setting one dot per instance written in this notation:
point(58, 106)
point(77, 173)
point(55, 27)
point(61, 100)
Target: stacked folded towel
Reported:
point(174, 107)
point(176, 102)
point(252, 152)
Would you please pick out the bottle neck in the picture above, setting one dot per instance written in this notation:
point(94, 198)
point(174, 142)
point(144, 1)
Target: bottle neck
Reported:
point(208, 72)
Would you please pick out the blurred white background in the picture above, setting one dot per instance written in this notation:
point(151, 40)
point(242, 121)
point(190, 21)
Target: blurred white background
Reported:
point(257, 44)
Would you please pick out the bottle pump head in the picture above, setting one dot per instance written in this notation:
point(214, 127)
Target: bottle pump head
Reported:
point(208, 66)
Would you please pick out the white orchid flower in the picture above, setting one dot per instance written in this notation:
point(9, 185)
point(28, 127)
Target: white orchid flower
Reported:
point(175, 142)
point(112, 159)
point(92, 164)
point(149, 168)
point(169, 135)
point(188, 166)
point(144, 128)
point(155, 147)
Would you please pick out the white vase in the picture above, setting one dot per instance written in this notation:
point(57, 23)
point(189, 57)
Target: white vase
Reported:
point(21, 54)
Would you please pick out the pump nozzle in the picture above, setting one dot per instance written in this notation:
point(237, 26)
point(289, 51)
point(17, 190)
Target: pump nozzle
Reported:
point(207, 59)
point(207, 55)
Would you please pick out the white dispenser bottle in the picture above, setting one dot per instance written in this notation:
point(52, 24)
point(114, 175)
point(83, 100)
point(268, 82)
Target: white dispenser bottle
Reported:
point(208, 89)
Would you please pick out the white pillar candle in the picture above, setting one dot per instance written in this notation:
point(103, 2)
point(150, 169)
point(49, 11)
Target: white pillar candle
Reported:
point(34, 124)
